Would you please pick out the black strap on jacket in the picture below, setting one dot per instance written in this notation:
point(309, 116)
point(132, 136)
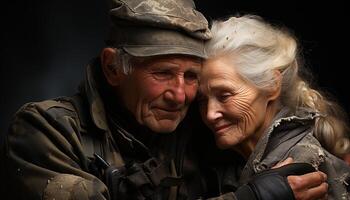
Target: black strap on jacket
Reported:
point(90, 141)
point(143, 177)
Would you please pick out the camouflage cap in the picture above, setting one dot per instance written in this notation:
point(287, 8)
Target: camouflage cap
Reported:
point(158, 27)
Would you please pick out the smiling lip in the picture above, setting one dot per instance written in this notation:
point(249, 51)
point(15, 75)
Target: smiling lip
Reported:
point(167, 113)
point(220, 129)
point(169, 110)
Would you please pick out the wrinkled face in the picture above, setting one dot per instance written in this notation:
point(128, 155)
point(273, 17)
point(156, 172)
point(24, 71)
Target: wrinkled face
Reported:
point(159, 91)
point(231, 107)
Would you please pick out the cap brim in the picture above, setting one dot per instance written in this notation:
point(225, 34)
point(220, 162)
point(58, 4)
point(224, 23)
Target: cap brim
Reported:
point(144, 51)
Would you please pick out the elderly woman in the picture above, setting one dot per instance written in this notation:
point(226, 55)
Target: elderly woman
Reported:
point(254, 100)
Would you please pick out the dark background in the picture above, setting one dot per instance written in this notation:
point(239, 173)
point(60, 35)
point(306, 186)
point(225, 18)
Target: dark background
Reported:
point(45, 45)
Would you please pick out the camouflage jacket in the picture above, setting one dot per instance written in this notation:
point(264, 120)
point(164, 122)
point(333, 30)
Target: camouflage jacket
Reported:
point(288, 136)
point(47, 156)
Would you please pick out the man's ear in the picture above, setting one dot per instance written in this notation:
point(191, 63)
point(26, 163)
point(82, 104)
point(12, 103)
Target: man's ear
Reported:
point(109, 68)
point(275, 89)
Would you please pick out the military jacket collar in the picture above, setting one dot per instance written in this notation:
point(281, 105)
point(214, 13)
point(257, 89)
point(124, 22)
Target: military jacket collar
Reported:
point(97, 111)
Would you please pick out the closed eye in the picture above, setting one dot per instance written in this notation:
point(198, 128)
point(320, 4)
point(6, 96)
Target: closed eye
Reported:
point(162, 75)
point(223, 97)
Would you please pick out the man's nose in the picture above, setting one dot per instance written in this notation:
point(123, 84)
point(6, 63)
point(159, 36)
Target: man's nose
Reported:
point(176, 91)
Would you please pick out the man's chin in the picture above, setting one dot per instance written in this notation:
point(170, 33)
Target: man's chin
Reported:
point(164, 126)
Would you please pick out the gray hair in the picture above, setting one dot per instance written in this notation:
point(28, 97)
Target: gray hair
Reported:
point(258, 49)
point(123, 60)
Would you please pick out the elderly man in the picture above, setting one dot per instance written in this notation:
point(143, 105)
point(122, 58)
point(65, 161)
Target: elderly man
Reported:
point(119, 137)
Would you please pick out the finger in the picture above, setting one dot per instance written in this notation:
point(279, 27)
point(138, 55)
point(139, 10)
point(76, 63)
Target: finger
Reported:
point(319, 192)
point(289, 160)
point(308, 180)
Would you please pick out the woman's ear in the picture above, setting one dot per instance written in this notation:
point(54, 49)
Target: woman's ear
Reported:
point(275, 89)
point(109, 68)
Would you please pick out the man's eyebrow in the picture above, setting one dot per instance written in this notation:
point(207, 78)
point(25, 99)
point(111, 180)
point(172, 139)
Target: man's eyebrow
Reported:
point(196, 66)
point(195, 69)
